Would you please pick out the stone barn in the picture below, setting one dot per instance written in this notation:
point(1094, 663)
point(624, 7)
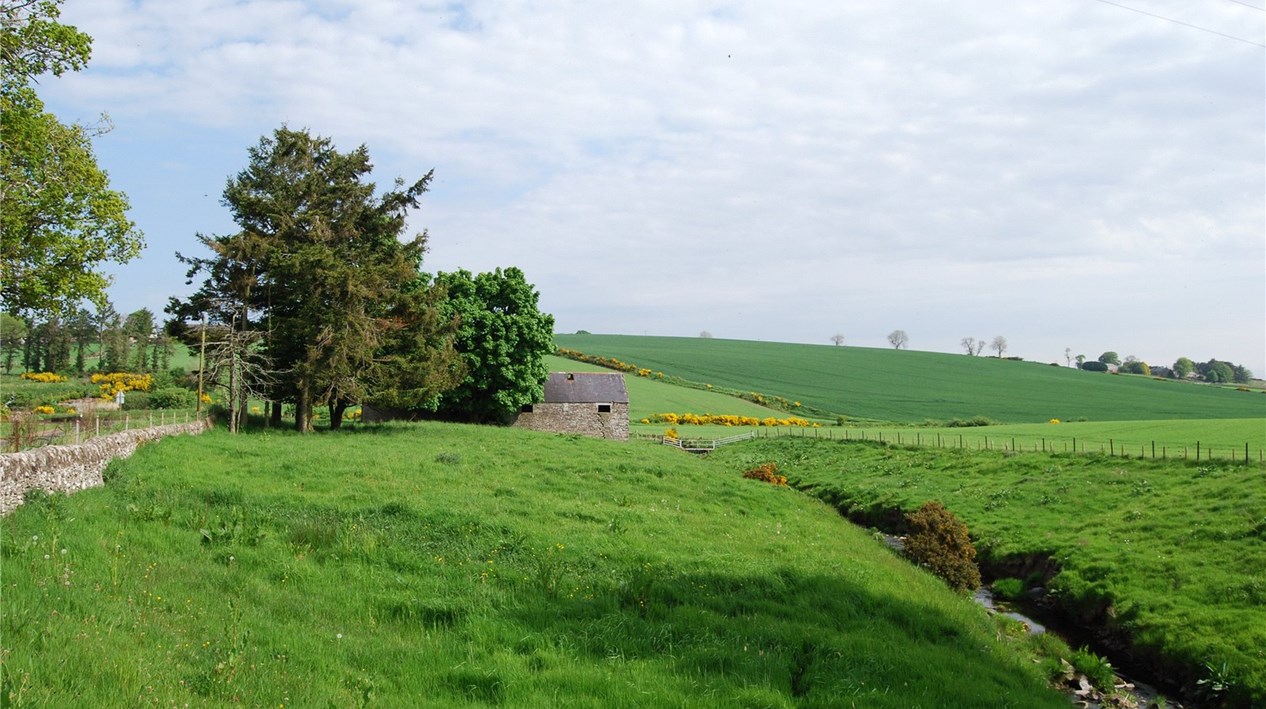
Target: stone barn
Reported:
point(589, 403)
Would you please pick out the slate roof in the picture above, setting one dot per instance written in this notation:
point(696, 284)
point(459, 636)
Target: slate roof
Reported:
point(585, 387)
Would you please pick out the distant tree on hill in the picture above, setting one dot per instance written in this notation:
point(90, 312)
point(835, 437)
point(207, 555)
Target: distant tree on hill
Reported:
point(705, 335)
point(837, 339)
point(898, 339)
point(1081, 359)
point(1183, 367)
point(1133, 365)
point(1068, 356)
point(999, 345)
point(1110, 357)
point(1242, 374)
point(1216, 372)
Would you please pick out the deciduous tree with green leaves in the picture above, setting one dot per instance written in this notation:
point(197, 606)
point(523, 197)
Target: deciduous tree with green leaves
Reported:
point(60, 219)
point(503, 338)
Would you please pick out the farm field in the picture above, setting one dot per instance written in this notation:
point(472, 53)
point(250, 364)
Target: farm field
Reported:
point(912, 387)
point(474, 566)
point(1221, 439)
point(1169, 554)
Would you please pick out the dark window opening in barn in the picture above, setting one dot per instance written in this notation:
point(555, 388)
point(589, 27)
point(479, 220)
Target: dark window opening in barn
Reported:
point(527, 409)
point(604, 408)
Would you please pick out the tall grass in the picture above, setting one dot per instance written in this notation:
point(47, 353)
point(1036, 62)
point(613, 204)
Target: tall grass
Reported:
point(457, 566)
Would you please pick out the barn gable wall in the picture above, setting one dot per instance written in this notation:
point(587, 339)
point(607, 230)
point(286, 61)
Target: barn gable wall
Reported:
point(582, 418)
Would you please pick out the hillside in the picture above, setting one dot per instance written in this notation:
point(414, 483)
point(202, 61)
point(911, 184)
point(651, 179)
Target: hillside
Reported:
point(467, 566)
point(907, 386)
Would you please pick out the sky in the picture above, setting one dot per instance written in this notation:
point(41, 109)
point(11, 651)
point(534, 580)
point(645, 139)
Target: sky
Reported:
point(1074, 175)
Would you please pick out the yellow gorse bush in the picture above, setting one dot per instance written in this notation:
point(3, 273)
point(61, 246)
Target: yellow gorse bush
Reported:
point(44, 409)
point(43, 377)
point(116, 382)
point(725, 420)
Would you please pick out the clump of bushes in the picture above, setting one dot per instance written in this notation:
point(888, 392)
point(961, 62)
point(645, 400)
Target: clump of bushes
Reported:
point(939, 541)
point(971, 422)
point(168, 398)
point(1092, 366)
point(767, 472)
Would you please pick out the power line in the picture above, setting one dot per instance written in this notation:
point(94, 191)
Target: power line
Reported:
point(1238, 2)
point(1184, 24)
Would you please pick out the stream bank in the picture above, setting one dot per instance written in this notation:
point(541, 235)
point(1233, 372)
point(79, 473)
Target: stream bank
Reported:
point(1139, 681)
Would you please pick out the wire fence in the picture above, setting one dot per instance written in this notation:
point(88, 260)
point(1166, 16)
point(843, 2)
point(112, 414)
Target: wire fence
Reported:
point(23, 431)
point(973, 439)
point(1149, 449)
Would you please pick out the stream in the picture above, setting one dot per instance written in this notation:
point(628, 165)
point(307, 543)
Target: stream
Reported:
point(1140, 694)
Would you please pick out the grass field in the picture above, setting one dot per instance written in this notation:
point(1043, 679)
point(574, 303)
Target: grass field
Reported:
point(1213, 439)
point(462, 566)
point(911, 387)
point(1171, 554)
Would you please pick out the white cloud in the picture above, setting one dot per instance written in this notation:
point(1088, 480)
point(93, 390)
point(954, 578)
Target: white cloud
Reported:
point(751, 168)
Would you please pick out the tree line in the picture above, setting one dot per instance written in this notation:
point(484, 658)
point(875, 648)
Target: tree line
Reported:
point(84, 341)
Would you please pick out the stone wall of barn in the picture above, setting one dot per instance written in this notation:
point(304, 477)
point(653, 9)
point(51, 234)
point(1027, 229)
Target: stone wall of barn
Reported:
point(69, 469)
point(584, 419)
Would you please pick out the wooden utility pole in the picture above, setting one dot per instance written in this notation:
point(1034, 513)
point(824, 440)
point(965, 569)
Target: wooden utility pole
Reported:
point(202, 358)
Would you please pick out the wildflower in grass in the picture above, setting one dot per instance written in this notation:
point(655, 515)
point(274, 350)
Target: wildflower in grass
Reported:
point(1053, 421)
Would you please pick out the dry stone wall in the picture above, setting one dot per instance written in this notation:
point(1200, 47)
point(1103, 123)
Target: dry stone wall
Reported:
point(69, 469)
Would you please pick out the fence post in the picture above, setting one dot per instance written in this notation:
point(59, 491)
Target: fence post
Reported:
point(1111, 447)
point(1197, 451)
point(76, 432)
point(1153, 450)
point(98, 420)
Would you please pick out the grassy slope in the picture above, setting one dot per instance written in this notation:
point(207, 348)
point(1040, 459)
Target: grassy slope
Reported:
point(469, 566)
point(1172, 553)
point(913, 386)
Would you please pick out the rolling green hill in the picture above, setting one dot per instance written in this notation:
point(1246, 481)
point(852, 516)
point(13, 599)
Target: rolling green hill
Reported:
point(445, 565)
point(906, 386)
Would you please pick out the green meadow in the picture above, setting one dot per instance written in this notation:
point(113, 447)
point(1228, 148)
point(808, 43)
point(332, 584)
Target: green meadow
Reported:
point(1169, 557)
point(912, 387)
point(1220, 439)
point(452, 565)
